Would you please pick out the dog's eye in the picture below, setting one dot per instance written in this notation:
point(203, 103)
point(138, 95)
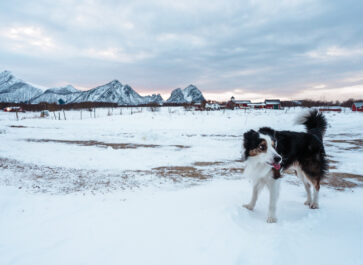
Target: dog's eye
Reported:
point(262, 147)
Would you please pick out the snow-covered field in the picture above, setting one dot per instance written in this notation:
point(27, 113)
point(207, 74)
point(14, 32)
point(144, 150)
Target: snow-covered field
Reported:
point(166, 187)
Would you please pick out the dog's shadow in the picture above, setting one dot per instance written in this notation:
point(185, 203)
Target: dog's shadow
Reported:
point(288, 212)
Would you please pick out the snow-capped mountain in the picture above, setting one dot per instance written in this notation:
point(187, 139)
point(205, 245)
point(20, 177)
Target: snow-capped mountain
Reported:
point(115, 92)
point(154, 98)
point(56, 95)
point(15, 90)
point(187, 95)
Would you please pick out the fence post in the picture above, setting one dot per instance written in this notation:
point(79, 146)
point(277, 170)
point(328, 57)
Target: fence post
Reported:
point(55, 117)
point(64, 114)
point(81, 114)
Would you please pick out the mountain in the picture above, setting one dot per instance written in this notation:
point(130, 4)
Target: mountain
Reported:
point(154, 98)
point(187, 95)
point(64, 94)
point(115, 92)
point(15, 90)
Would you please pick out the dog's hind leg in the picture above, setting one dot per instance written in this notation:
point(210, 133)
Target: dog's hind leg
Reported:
point(274, 188)
point(304, 179)
point(257, 187)
point(315, 203)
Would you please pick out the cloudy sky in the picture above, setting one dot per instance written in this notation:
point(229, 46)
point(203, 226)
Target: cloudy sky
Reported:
point(290, 49)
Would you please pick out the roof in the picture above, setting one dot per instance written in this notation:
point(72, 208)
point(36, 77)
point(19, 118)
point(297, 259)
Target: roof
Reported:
point(257, 104)
point(272, 101)
point(242, 101)
point(358, 104)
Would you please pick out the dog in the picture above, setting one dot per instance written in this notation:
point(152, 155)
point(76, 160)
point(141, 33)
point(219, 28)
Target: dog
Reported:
point(267, 153)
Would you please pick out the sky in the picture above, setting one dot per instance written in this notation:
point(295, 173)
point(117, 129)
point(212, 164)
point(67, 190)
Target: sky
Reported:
point(288, 49)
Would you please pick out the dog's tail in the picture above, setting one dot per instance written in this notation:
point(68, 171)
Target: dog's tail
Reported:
point(315, 122)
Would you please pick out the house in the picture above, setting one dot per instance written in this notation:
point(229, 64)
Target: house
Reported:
point(273, 104)
point(242, 103)
point(198, 106)
point(357, 106)
point(259, 105)
point(13, 109)
point(331, 108)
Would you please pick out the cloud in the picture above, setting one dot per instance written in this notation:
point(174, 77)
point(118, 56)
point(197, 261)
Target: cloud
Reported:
point(116, 54)
point(23, 37)
point(261, 47)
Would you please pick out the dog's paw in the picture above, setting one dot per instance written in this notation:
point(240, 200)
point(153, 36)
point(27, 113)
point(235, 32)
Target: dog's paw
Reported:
point(271, 219)
point(307, 202)
point(247, 206)
point(314, 205)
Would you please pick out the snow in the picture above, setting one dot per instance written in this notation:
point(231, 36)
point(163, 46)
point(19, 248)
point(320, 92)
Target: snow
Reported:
point(13, 89)
point(151, 219)
point(187, 95)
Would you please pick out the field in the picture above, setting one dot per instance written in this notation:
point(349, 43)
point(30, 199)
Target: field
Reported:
point(166, 186)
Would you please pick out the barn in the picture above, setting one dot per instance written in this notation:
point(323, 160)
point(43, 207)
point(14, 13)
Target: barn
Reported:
point(273, 104)
point(259, 105)
point(242, 103)
point(357, 106)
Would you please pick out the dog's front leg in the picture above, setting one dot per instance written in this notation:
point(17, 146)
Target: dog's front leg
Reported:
point(257, 187)
point(273, 186)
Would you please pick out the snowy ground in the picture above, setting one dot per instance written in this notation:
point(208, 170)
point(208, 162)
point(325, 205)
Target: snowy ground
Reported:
point(166, 187)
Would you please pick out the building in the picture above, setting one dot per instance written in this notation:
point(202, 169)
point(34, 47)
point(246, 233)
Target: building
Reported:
point(357, 106)
point(331, 108)
point(242, 103)
point(273, 104)
point(259, 105)
point(13, 109)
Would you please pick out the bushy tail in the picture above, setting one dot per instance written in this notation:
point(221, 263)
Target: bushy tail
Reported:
point(315, 122)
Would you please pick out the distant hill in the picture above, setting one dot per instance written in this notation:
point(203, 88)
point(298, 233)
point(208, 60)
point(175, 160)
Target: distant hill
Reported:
point(187, 95)
point(14, 90)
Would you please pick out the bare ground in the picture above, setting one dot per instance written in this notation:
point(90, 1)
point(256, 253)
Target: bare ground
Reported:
point(353, 144)
point(39, 178)
point(104, 144)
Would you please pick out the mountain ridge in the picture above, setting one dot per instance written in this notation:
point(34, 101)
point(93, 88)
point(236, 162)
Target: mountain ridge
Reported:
point(14, 90)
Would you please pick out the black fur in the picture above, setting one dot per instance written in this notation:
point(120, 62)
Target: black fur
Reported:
point(315, 123)
point(305, 148)
point(251, 141)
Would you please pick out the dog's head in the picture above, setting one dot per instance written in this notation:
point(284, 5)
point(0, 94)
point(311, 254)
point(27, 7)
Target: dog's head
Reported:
point(261, 149)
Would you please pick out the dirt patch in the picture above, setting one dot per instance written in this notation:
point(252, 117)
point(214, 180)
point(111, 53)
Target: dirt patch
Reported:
point(17, 126)
point(184, 172)
point(38, 178)
point(344, 135)
point(332, 163)
point(213, 135)
point(355, 143)
point(104, 144)
point(341, 180)
point(207, 164)
point(60, 180)
point(230, 171)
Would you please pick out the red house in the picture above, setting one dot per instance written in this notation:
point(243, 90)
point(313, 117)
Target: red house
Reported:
point(357, 106)
point(273, 104)
point(259, 105)
point(242, 103)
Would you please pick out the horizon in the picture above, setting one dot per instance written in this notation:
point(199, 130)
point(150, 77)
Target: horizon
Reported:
point(165, 96)
point(291, 50)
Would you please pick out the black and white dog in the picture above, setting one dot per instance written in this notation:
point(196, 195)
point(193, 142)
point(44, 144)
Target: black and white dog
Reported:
point(268, 152)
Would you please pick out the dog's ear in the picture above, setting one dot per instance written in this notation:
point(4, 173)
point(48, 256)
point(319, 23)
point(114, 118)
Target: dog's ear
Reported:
point(268, 131)
point(249, 138)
